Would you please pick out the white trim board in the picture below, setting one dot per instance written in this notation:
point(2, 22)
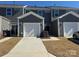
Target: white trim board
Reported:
point(29, 13)
point(71, 12)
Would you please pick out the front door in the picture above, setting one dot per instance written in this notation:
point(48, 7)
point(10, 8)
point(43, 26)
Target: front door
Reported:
point(14, 30)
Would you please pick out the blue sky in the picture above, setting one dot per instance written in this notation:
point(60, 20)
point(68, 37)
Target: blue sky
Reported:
point(44, 3)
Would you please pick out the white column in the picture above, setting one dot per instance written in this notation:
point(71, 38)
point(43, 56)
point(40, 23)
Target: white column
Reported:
point(58, 27)
point(1, 29)
point(43, 24)
point(23, 10)
point(18, 27)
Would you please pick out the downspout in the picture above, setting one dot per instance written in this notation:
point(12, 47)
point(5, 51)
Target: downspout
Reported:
point(58, 27)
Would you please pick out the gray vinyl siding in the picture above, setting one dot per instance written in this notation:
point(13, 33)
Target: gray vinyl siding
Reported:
point(21, 29)
point(47, 16)
point(31, 19)
point(61, 29)
point(61, 12)
point(54, 28)
point(3, 11)
point(15, 11)
point(69, 18)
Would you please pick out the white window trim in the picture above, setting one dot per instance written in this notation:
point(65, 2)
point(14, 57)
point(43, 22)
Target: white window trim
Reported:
point(6, 12)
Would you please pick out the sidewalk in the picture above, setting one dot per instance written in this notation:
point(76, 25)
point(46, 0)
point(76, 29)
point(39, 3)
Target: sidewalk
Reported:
point(51, 39)
point(29, 47)
point(5, 39)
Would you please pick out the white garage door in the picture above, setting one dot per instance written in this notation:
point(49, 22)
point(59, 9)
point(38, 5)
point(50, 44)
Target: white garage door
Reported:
point(70, 28)
point(31, 29)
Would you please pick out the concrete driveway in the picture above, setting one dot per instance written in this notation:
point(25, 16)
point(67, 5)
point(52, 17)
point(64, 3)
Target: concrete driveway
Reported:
point(29, 47)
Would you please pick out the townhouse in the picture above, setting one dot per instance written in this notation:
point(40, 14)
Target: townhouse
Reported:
point(32, 20)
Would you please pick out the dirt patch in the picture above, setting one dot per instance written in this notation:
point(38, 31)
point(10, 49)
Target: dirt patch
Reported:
point(2, 38)
point(6, 46)
point(62, 48)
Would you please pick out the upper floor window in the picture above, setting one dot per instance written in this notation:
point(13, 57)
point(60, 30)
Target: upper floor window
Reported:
point(8, 11)
point(77, 11)
point(55, 12)
point(40, 12)
point(68, 11)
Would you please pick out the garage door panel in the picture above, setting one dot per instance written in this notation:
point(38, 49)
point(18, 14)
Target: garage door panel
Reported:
point(37, 29)
point(31, 29)
point(70, 28)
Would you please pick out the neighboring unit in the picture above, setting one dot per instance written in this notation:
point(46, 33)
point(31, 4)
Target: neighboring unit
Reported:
point(65, 25)
point(32, 20)
point(4, 25)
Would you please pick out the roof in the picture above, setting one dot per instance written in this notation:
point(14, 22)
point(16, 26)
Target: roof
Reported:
point(10, 6)
point(37, 7)
point(71, 12)
point(52, 7)
point(30, 13)
point(63, 7)
point(5, 18)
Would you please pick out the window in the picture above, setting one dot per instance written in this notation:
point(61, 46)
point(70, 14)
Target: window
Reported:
point(77, 11)
point(55, 12)
point(68, 11)
point(8, 11)
point(40, 12)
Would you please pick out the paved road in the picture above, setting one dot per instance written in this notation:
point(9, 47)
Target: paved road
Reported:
point(29, 47)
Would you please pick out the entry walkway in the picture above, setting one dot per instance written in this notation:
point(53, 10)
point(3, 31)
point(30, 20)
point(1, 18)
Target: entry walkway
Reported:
point(29, 47)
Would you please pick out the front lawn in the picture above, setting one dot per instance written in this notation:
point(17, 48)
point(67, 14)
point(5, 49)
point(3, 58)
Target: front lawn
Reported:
point(62, 47)
point(6, 46)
